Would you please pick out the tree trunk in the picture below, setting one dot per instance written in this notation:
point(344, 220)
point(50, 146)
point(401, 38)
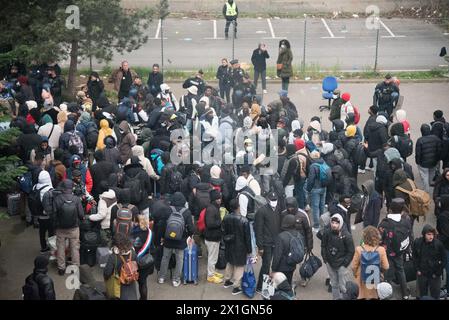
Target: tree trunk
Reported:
point(73, 67)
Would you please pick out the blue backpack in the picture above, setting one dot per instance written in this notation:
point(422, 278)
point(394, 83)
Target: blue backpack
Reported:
point(325, 173)
point(156, 160)
point(370, 267)
point(26, 182)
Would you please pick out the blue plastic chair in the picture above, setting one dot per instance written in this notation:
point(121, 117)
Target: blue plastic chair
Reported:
point(329, 86)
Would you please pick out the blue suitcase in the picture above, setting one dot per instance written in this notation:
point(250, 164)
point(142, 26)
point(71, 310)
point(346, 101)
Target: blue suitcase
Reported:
point(190, 266)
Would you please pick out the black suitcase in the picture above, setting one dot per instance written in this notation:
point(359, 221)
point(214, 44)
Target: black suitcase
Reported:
point(13, 204)
point(88, 255)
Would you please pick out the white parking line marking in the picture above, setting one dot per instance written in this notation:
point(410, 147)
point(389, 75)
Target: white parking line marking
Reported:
point(215, 29)
point(158, 29)
point(332, 36)
point(389, 31)
point(271, 28)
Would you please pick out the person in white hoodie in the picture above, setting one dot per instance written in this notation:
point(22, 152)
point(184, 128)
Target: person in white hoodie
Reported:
point(138, 151)
point(168, 95)
point(107, 201)
point(45, 221)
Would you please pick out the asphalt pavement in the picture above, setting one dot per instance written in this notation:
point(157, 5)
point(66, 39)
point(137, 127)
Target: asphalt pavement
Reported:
point(20, 245)
point(331, 44)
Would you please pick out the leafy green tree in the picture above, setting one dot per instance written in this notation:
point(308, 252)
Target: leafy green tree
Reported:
point(10, 167)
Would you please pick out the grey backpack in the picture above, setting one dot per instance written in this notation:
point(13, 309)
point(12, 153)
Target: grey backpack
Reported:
point(175, 225)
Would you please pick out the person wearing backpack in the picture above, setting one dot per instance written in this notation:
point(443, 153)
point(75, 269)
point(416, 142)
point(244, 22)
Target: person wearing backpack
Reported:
point(175, 238)
point(86, 177)
point(39, 285)
point(127, 141)
point(50, 130)
point(440, 128)
point(427, 155)
point(71, 137)
point(396, 231)
point(282, 288)
point(213, 236)
point(402, 184)
point(289, 248)
point(400, 140)
point(219, 184)
point(45, 150)
point(57, 169)
point(369, 264)
point(139, 184)
point(429, 259)
point(122, 268)
point(267, 226)
point(337, 250)
point(67, 211)
point(107, 200)
point(304, 166)
point(138, 151)
point(111, 152)
point(319, 177)
point(122, 213)
point(290, 170)
point(302, 222)
point(44, 188)
point(350, 145)
point(443, 231)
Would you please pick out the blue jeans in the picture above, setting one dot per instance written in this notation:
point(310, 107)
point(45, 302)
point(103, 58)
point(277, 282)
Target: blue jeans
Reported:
point(318, 200)
point(300, 193)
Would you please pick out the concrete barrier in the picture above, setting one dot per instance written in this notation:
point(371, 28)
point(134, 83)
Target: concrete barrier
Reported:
point(279, 6)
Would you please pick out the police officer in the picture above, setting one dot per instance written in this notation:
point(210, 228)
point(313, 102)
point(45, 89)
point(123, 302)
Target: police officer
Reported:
point(230, 12)
point(386, 95)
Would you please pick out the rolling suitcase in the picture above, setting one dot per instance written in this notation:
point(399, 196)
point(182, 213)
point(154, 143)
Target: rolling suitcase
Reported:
point(190, 267)
point(13, 204)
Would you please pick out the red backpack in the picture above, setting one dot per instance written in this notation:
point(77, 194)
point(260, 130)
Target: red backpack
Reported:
point(201, 223)
point(356, 115)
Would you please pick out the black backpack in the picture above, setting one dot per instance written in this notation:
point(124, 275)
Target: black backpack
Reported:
point(360, 155)
point(404, 145)
point(296, 249)
point(34, 201)
point(185, 187)
point(91, 136)
point(68, 213)
point(175, 181)
point(136, 188)
point(396, 236)
point(31, 288)
point(202, 197)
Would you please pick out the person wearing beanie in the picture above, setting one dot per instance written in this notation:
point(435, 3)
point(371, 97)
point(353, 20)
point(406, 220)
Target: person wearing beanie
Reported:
point(386, 95)
point(282, 288)
point(218, 183)
point(213, 235)
point(46, 151)
point(346, 107)
point(50, 129)
point(315, 134)
point(384, 291)
point(282, 247)
point(267, 226)
point(337, 250)
point(176, 247)
point(350, 131)
point(371, 240)
point(401, 117)
point(350, 145)
point(396, 242)
point(429, 259)
point(40, 279)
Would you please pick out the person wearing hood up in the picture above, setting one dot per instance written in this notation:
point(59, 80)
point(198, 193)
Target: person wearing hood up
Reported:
point(46, 151)
point(282, 288)
point(350, 146)
point(219, 184)
point(290, 170)
point(100, 172)
point(27, 141)
point(50, 130)
point(441, 189)
point(188, 104)
point(371, 204)
point(429, 259)
point(68, 211)
point(111, 152)
point(71, 137)
point(176, 247)
point(304, 161)
point(316, 134)
point(376, 136)
point(427, 155)
point(168, 95)
point(402, 181)
point(339, 126)
point(209, 127)
point(337, 250)
point(95, 88)
point(128, 140)
point(138, 180)
point(86, 177)
point(396, 232)
point(372, 112)
point(45, 218)
point(367, 280)
point(284, 63)
point(105, 131)
point(138, 151)
point(400, 140)
point(39, 280)
point(282, 249)
point(443, 231)
point(401, 117)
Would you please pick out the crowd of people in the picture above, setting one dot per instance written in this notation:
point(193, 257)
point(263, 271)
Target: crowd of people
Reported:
point(153, 176)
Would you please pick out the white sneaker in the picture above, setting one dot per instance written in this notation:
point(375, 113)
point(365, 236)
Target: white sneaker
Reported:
point(265, 91)
point(362, 171)
point(370, 169)
point(161, 280)
point(307, 208)
point(353, 227)
point(176, 283)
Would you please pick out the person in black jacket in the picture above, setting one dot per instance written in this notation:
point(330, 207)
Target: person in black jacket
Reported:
point(386, 95)
point(95, 88)
point(176, 247)
point(53, 83)
point(337, 250)
point(46, 290)
point(135, 170)
point(400, 140)
point(282, 247)
point(302, 222)
point(371, 204)
point(237, 238)
point(427, 155)
point(100, 172)
point(267, 227)
point(372, 111)
point(212, 236)
point(376, 136)
point(440, 128)
point(429, 259)
point(441, 189)
point(342, 208)
point(67, 211)
point(443, 231)
point(196, 81)
point(335, 110)
point(259, 57)
point(225, 80)
point(155, 79)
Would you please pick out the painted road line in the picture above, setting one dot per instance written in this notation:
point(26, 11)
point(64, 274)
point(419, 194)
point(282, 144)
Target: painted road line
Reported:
point(271, 28)
point(389, 31)
point(215, 29)
point(387, 37)
point(332, 36)
point(158, 30)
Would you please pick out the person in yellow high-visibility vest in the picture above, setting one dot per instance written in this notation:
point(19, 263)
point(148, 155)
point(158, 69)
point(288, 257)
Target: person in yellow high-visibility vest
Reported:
point(230, 12)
